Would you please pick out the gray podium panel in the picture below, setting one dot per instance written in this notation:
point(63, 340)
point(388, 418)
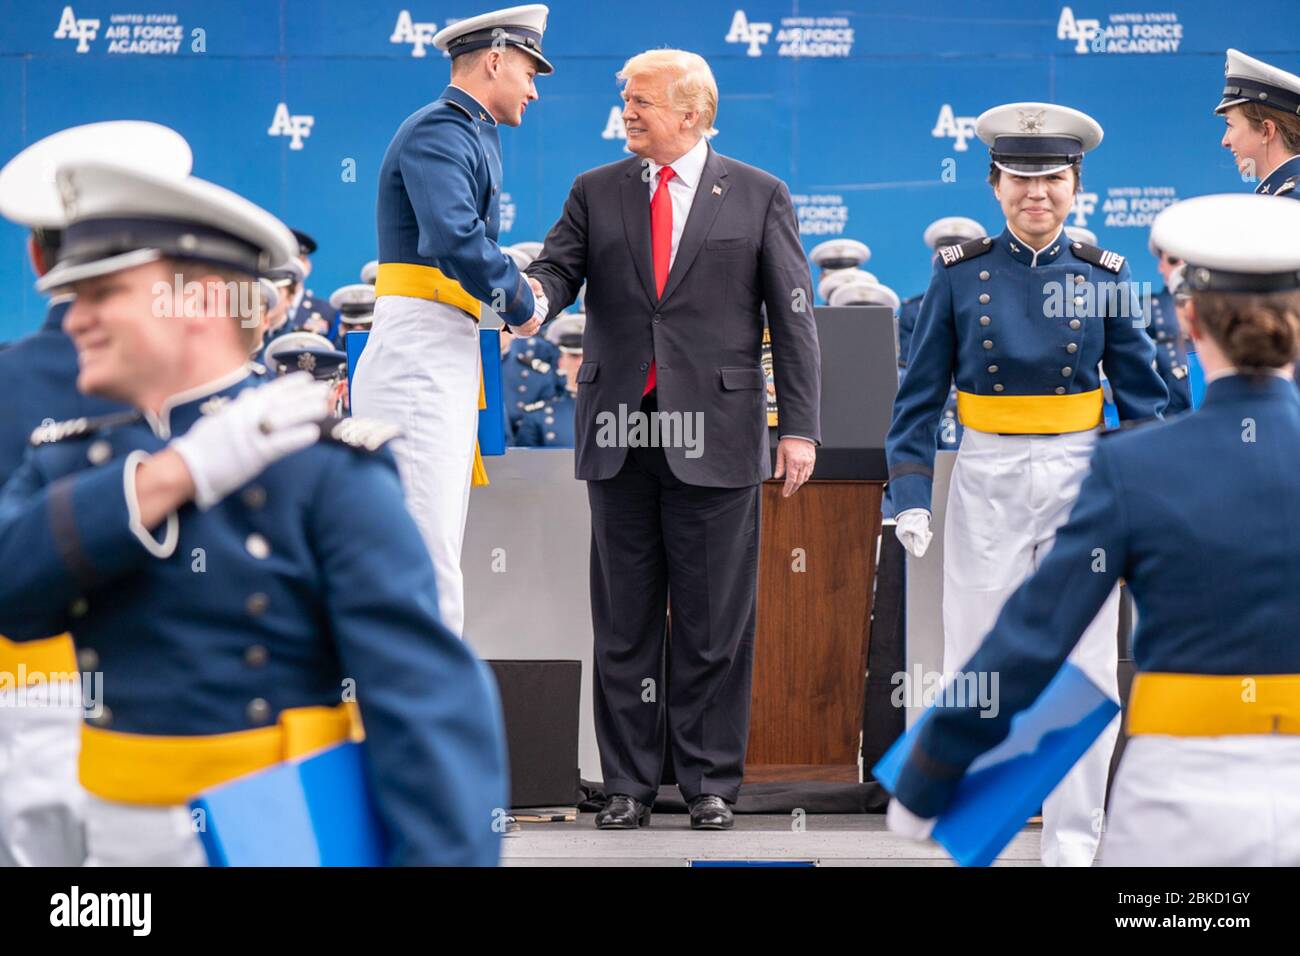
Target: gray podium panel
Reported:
point(925, 586)
point(525, 561)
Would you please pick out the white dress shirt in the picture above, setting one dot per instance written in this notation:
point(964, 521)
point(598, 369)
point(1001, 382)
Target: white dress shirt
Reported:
point(688, 169)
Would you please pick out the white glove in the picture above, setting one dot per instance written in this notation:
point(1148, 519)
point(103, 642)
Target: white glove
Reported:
point(904, 822)
point(540, 307)
point(231, 447)
point(913, 529)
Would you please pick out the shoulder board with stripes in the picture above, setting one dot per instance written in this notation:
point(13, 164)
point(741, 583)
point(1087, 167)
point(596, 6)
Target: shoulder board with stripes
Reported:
point(951, 255)
point(367, 434)
point(1110, 261)
point(54, 432)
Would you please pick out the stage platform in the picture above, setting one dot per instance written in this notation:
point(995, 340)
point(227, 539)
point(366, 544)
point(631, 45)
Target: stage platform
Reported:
point(827, 840)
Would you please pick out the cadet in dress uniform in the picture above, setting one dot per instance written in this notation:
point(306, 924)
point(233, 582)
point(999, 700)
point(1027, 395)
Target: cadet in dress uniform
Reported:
point(1022, 322)
point(548, 422)
point(315, 355)
point(287, 277)
point(948, 231)
point(1211, 773)
point(1195, 374)
point(236, 565)
point(529, 367)
point(308, 312)
point(1260, 105)
point(529, 374)
point(1163, 327)
point(355, 305)
point(439, 264)
point(40, 799)
point(840, 260)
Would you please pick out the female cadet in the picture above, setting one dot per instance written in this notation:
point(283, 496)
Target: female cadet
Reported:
point(1260, 105)
point(1022, 321)
point(1211, 551)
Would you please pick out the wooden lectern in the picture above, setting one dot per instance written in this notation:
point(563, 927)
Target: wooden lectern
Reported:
point(817, 565)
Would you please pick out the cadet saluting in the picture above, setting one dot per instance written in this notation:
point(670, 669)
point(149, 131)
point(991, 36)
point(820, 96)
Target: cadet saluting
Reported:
point(229, 573)
point(1022, 322)
point(1211, 774)
point(439, 264)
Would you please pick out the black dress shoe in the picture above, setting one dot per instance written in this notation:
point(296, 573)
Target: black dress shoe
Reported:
point(711, 813)
point(623, 813)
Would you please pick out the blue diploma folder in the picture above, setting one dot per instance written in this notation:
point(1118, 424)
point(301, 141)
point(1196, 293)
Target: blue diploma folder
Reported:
point(1004, 786)
point(311, 812)
point(491, 420)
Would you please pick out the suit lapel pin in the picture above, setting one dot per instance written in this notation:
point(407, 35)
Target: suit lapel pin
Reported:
point(717, 190)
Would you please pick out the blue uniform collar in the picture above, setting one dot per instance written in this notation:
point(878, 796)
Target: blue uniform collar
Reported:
point(1021, 252)
point(1237, 387)
point(1288, 170)
point(183, 409)
point(55, 312)
point(471, 106)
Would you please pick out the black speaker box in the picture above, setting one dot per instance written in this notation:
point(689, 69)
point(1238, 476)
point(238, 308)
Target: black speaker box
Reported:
point(540, 702)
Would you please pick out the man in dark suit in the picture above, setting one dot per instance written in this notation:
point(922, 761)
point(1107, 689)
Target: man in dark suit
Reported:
point(681, 249)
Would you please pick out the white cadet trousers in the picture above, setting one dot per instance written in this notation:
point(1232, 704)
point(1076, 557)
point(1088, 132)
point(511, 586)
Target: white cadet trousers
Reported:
point(126, 834)
point(41, 800)
point(420, 372)
point(1206, 801)
point(1007, 497)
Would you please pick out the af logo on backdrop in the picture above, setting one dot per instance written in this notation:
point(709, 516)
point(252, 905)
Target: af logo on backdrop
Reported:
point(418, 34)
point(798, 36)
point(753, 35)
point(147, 34)
point(297, 128)
point(957, 128)
point(70, 28)
point(1154, 32)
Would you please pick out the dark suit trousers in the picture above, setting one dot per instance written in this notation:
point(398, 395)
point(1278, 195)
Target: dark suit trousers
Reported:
point(655, 539)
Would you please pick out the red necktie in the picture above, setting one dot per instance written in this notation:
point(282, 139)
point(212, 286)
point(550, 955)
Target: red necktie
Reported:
point(661, 245)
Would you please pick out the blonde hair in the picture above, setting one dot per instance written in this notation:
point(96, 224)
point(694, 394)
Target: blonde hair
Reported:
point(692, 88)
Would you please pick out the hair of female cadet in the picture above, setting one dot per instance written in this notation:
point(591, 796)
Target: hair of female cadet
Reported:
point(1255, 330)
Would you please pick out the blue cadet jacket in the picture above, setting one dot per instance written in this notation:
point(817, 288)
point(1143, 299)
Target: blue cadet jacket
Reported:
point(438, 212)
point(1171, 356)
point(1023, 335)
point(39, 373)
point(548, 423)
point(312, 308)
point(308, 581)
point(1283, 180)
point(529, 372)
point(948, 436)
point(1174, 509)
point(908, 310)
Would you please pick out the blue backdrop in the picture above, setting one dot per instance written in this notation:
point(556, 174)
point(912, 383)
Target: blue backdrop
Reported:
point(865, 107)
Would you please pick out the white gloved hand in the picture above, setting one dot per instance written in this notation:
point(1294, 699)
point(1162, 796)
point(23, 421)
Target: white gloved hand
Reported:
point(540, 307)
point(904, 822)
point(913, 529)
point(231, 447)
